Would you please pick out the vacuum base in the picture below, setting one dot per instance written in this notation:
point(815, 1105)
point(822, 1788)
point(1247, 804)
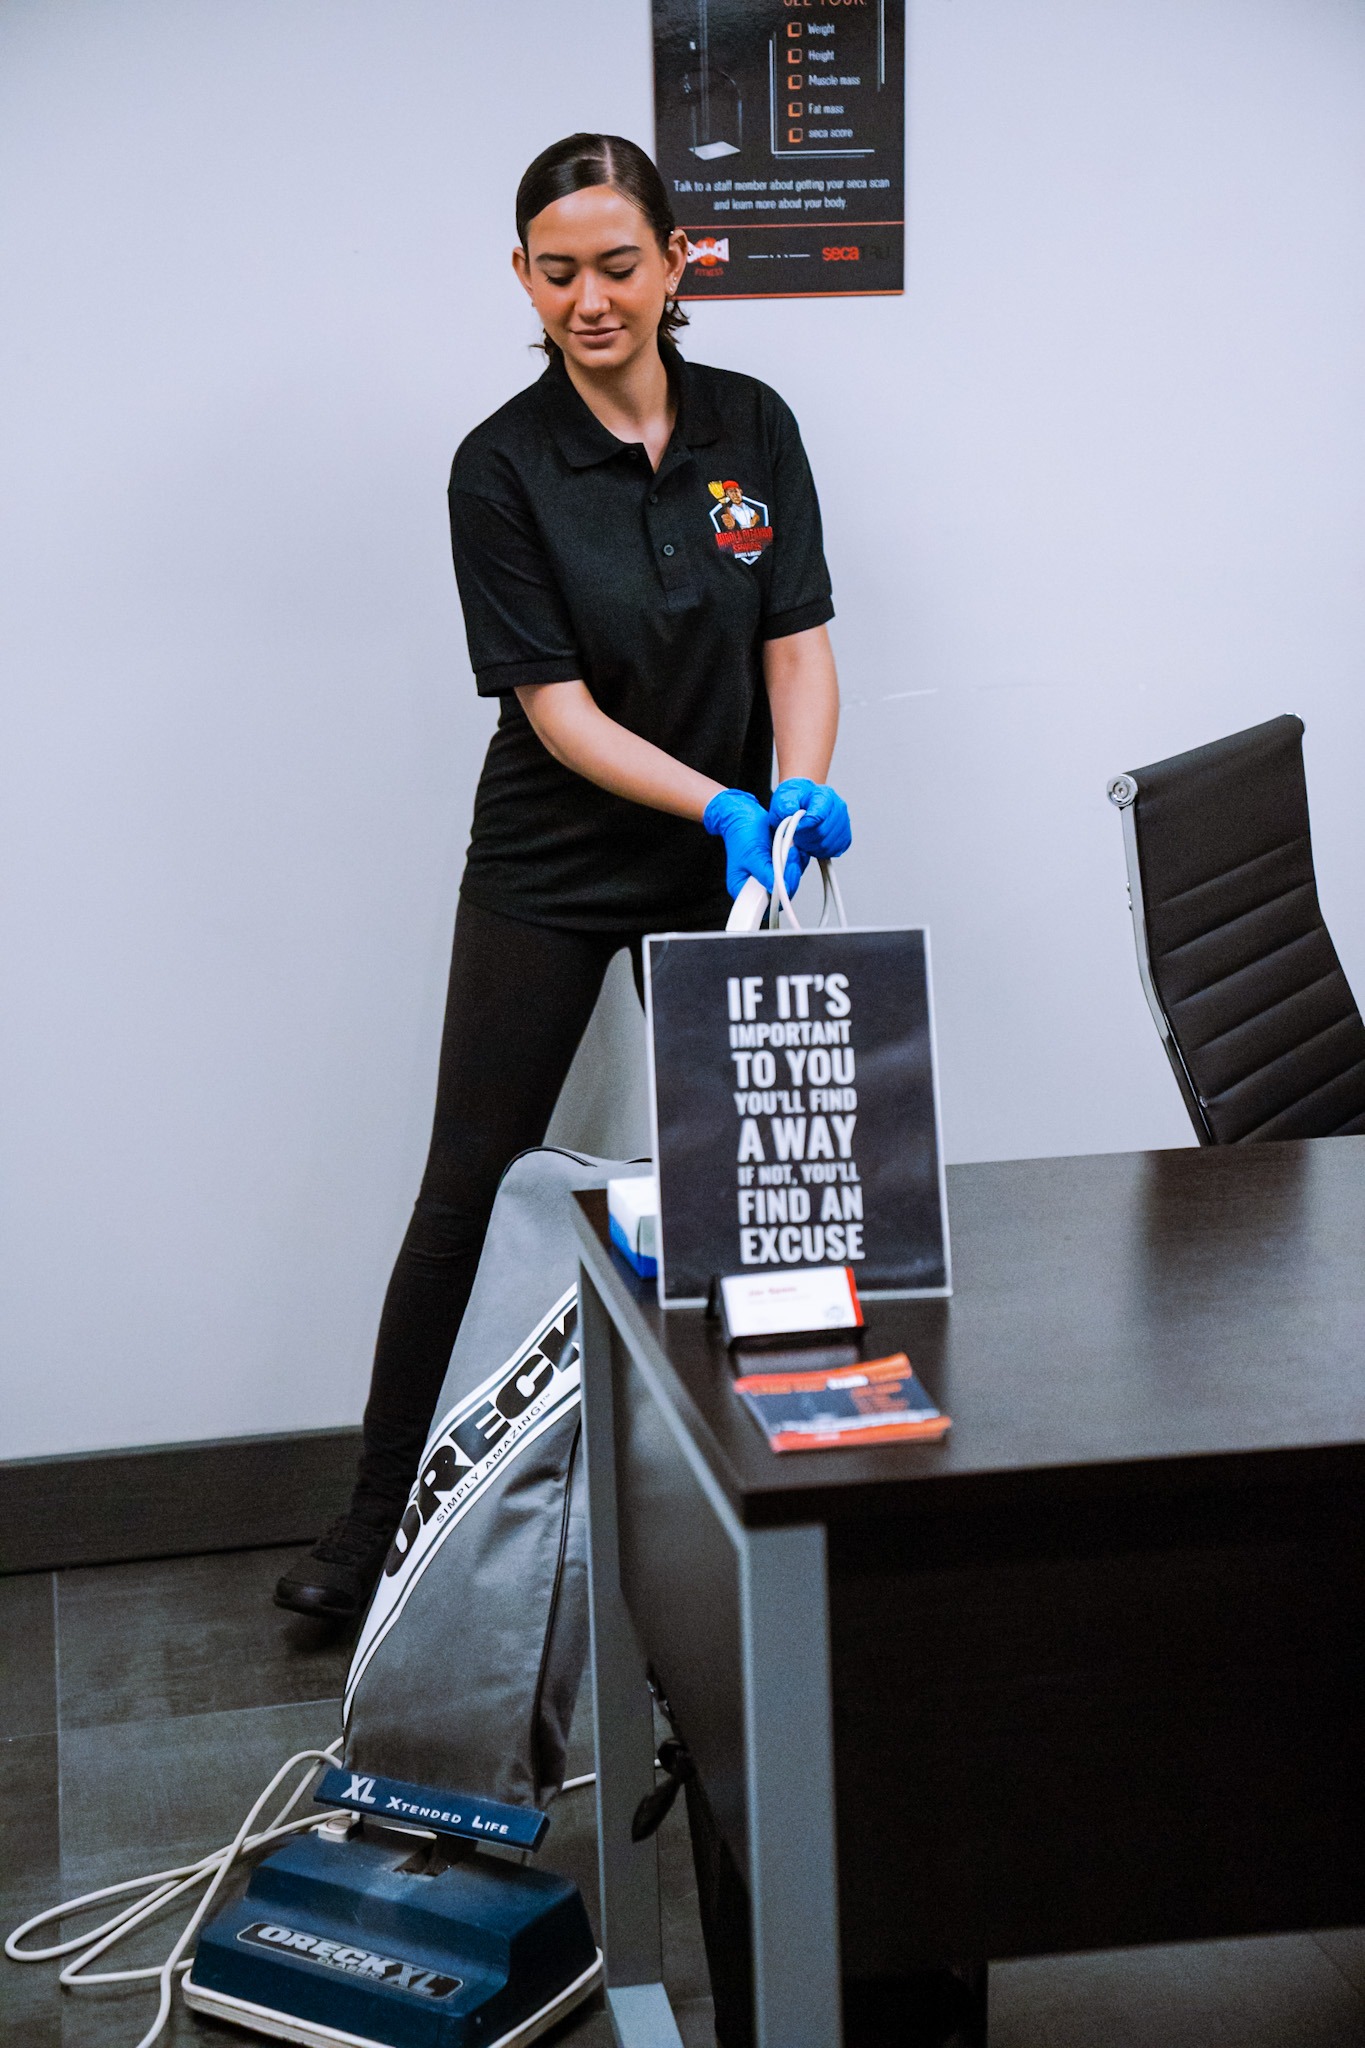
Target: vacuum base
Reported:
point(283, 2026)
point(373, 1941)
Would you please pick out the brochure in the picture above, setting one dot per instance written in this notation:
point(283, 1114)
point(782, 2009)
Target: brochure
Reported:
point(878, 1401)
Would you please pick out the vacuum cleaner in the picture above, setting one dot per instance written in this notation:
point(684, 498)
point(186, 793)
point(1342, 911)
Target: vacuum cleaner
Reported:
point(400, 1922)
point(404, 1917)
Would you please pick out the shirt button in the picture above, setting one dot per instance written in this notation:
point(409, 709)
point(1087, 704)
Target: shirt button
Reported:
point(668, 547)
point(654, 497)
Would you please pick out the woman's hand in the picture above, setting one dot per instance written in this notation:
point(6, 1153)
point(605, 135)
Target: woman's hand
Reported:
point(825, 831)
point(804, 696)
point(741, 821)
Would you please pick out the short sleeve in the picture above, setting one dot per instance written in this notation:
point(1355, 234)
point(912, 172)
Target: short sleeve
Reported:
point(798, 593)
point(515, 618)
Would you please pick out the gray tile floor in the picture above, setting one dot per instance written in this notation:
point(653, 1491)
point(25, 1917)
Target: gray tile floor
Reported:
point(143, 1706)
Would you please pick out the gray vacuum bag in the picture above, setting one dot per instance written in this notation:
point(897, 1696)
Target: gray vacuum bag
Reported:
point(469, 1660)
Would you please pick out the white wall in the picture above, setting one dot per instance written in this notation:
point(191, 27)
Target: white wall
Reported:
point(1093, 491)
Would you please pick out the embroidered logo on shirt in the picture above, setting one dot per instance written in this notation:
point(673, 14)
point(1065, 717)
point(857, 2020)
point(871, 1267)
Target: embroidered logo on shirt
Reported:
point(741, 523)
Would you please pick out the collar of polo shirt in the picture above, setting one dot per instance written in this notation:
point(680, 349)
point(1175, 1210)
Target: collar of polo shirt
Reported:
point(581, 436)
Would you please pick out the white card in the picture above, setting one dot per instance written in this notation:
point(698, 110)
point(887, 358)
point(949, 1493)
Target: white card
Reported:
point(789, 1304)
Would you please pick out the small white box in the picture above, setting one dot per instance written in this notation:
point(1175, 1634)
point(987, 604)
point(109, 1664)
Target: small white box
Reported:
point(790, 1304)
point(633, 1210)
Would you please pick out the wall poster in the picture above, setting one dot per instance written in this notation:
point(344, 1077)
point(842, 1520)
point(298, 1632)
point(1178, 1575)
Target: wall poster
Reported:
point(780, 134)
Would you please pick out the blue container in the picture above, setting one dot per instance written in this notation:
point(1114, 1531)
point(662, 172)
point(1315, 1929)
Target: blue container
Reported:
point(644, 1265)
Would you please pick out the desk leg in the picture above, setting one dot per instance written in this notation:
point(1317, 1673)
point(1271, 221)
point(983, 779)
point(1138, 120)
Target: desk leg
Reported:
point(624, 1732)
point(789, 1761)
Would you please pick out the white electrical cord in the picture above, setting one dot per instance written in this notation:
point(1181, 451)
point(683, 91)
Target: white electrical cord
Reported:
point(163, 1886)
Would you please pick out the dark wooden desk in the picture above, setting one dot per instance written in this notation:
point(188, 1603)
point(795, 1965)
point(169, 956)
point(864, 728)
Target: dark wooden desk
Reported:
point(1090, 1672)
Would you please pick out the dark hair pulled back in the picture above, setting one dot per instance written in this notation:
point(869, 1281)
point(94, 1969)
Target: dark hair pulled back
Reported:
point(583, 160)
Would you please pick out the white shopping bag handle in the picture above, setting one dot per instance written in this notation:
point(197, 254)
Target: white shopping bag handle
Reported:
point(753, 902)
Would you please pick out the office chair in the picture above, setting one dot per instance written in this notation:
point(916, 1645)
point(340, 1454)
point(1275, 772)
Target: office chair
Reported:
point(1238, 968)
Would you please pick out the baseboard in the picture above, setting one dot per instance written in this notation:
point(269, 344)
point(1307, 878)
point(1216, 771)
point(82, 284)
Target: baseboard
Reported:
point(172, 1500)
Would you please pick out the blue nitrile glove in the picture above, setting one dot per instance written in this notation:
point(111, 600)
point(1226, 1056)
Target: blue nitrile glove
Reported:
point(825, 831)
point(741, 821)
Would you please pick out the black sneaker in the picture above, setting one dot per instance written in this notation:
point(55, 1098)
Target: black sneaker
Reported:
point(338, 1575)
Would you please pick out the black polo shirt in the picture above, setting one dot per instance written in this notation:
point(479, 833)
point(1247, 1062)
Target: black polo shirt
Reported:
point(658, 589)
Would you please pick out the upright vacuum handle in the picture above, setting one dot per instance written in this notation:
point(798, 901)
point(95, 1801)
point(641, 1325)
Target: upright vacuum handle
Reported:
point(749, 908)
point(753, 902)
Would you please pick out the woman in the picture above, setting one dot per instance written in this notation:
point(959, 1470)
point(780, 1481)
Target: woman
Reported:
point(637, 545)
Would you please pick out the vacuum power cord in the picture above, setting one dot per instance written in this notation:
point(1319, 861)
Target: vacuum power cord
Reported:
point(832, 901)
point(162, 1887)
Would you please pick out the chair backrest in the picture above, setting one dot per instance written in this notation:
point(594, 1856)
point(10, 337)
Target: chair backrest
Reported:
point(1240, 971)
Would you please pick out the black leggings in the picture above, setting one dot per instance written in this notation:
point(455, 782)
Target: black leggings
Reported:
point(519, 1002)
